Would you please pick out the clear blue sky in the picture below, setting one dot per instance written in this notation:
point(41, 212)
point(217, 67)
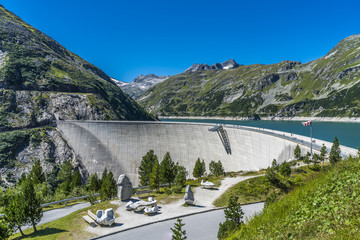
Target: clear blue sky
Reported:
point(128, 38)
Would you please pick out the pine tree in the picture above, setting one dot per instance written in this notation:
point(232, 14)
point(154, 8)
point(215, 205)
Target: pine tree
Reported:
point(203, 167)
point(93, 183)
point(198, 171)
point(108, 186)
point(216, 168)
point(233, 212)
point(297, 152)
point(65, 171)
point(14, 211)
point(146, 167)
point(178, 232)
point(335, 152)
point(37, 175)
point(31, 202)
point(103, 176)
point(167, 170)
point(233, 218)
point(155, 176)
point(76, 180)
point(21, 179)
point(322, 154)
point(180, 178)
point(5, 231)
point(113, 186)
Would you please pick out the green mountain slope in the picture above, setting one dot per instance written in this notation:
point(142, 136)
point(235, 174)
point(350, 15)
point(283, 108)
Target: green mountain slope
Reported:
point(326, 207)
point(40, 80)
point(328, 86)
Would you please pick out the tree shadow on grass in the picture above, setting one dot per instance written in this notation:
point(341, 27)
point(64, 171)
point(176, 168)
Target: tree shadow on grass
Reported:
point(42, 233)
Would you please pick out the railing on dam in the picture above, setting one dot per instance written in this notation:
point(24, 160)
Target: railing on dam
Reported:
point(348, 150)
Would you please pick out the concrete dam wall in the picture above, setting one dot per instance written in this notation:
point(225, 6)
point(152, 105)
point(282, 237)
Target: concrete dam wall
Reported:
point(120, 145)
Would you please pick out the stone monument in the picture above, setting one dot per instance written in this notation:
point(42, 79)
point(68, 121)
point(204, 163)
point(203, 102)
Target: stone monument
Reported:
point(124, 188)
point(189, 196)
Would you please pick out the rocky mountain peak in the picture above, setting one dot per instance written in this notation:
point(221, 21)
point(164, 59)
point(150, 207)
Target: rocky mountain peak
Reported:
point(140, 84)
point(229, 64)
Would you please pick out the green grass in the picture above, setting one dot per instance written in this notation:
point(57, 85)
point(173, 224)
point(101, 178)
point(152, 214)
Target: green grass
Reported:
point(69, 227)
point(327, 206)
point(259, 188)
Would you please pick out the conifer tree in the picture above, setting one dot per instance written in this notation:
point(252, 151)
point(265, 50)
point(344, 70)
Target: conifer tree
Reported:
point(76, 180)
point(108, 186)
point(31, 202)
point(14, 210)
point(104, 176)
point(335, 152)
point(180, 178)
point(37, 175)
point(322, 154)
point(146, 167)
point(234, 218)
point(178, 232)
point(93, 184)
point(113, 186)
point(203, 167)
point(199, 170)
point(5, 231)
point(167, 170)
point(21, 179)
point(297, 152)
point(155, 176)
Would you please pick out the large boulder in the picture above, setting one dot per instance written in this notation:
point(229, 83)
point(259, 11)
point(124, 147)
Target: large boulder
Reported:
point(189, 196)
point(124, 188)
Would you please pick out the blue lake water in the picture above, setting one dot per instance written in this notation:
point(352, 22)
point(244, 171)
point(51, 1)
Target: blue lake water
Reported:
point(347, 133)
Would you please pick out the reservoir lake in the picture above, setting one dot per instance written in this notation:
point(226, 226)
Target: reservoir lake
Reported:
point(347, 133)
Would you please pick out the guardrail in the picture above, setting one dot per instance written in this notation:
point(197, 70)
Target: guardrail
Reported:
point(315, 146)
point(82, 197)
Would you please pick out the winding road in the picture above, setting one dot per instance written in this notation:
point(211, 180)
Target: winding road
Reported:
point(55, 214)
point(202, 226)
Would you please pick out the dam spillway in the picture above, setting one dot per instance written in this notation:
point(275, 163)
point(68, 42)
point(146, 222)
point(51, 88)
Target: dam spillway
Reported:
point(120, 145)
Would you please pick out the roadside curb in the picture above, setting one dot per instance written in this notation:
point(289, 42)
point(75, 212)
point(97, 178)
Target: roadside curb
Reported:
point(167, 219)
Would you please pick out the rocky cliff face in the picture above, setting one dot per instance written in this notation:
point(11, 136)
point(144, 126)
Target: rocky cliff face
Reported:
point(19, 150)
point(229, 64)
point(326, 87)
point(41, 81)
point(140, 84)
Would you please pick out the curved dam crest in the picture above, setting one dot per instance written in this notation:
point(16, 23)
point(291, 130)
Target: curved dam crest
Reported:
point(120, 145)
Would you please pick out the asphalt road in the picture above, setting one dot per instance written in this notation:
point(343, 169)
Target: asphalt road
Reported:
point(203, 226)
point(55, 214)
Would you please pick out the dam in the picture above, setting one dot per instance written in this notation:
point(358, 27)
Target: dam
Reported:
point(120, 145)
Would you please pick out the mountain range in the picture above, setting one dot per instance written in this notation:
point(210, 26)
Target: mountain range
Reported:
point(140, 84)
point(326, 87)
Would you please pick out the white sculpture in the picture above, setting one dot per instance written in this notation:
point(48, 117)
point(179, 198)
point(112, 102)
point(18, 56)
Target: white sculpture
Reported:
point(207, 184)
point(139, 205)
point(151, 210)
point(106, 217)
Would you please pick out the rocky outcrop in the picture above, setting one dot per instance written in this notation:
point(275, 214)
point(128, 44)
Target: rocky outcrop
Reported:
point(44, 144)
point(33, 108)
point(229, 64)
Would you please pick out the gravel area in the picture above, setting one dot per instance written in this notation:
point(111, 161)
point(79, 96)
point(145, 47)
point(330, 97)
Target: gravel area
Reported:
point(203, 202)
